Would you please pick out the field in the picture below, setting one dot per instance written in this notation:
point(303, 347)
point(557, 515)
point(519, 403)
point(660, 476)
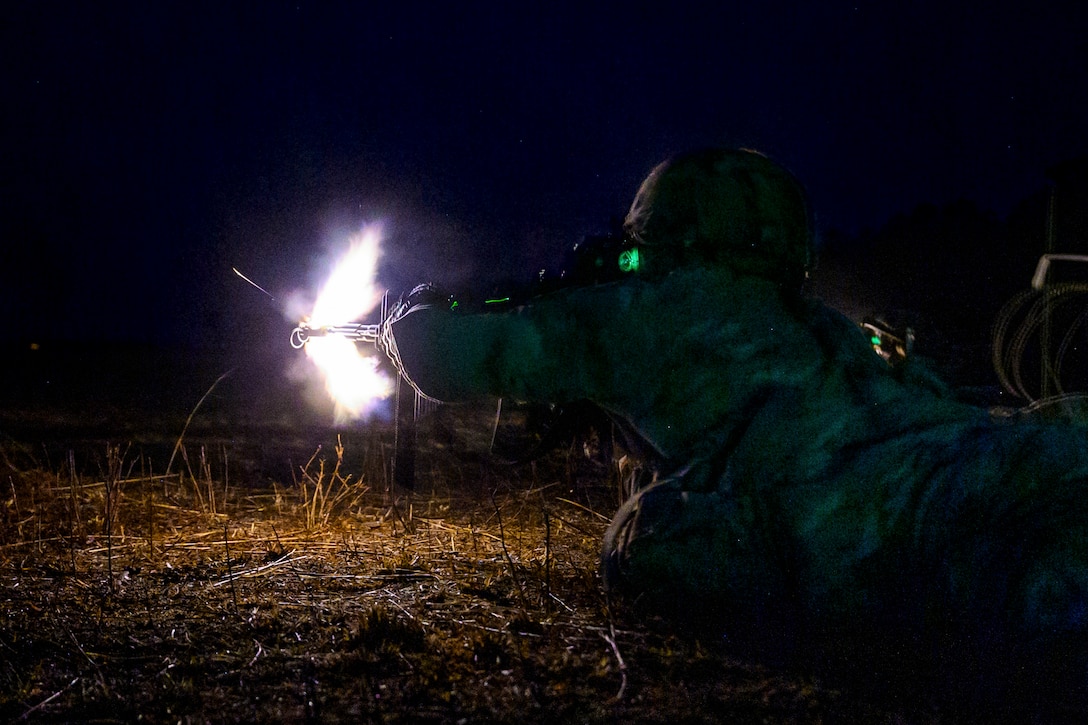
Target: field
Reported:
point(242, 561)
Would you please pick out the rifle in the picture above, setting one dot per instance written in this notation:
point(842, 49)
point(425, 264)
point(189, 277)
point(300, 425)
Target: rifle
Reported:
point(596, 260)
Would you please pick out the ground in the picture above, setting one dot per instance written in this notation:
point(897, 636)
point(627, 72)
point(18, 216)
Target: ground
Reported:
point(215, 568)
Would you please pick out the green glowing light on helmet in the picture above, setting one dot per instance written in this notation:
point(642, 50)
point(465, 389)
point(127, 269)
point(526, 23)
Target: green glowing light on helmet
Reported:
point(630, 261)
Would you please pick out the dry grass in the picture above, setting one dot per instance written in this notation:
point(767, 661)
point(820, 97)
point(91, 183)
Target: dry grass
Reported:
point(196, 596)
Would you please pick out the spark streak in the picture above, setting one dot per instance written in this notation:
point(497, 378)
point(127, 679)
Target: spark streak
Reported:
point(247, 279)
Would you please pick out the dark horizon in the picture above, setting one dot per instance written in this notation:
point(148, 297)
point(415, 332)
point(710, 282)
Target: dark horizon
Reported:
point(151, 149)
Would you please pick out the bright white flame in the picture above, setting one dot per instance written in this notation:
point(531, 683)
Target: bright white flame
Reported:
point(351, 378)
point(351, 290)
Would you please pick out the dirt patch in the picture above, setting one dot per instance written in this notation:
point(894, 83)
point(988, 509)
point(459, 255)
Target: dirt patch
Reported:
point(217, 592)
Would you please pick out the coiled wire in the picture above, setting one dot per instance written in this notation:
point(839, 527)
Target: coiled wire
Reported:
point(1032, 316)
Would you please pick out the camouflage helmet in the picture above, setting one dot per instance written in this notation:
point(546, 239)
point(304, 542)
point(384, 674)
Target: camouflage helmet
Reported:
point(731, 207)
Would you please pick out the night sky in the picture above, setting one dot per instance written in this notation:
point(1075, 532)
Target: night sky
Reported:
point(149, 148)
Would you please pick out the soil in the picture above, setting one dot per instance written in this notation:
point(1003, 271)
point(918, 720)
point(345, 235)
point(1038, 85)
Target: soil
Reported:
point(230, 563)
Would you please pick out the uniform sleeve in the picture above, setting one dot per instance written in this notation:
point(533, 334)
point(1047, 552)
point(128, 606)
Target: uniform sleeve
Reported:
point(532, 353)
point(681, 358)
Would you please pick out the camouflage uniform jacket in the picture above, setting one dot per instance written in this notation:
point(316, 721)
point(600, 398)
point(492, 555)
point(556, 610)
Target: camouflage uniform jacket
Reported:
point(815, 492)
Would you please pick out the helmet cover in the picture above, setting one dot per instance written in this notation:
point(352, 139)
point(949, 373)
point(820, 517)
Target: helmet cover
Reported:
point(724, 206)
